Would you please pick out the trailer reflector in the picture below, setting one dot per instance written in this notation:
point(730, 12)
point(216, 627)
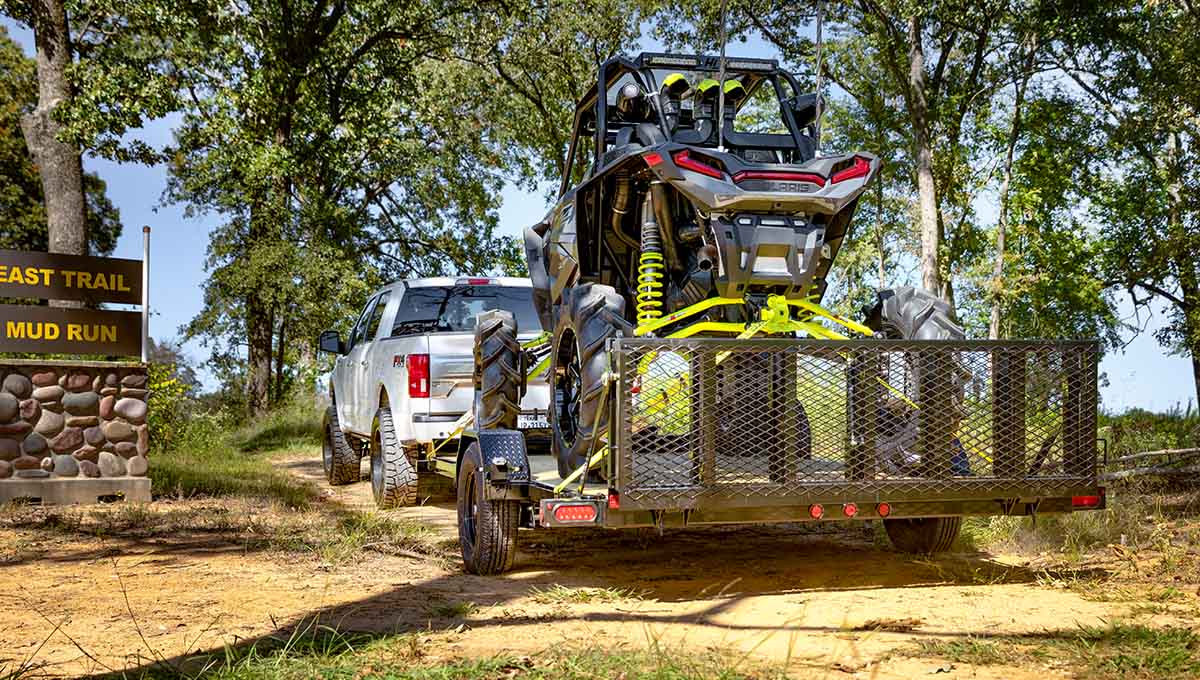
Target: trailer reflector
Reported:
point(850, 509)
point(816, 511)
point(614, 500)
point(884, 509)
point(1085, 501)
point(575, 513)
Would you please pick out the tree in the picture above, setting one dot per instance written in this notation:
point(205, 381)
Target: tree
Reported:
point(60, 165)
point(22, 208)
point(1134, 68)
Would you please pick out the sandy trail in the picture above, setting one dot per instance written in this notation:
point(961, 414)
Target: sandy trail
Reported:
point(779, 593)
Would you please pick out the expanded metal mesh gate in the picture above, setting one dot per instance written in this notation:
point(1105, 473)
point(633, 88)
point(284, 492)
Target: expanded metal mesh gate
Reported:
point(711, 422)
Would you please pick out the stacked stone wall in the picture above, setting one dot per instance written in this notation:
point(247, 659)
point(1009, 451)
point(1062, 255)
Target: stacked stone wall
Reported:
point(73, 420)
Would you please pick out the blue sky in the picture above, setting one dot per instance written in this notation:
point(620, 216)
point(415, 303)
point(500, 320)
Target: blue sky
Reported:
point(1143, 375)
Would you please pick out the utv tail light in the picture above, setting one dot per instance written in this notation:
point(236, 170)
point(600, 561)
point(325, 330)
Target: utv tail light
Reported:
point(779, 176)
point(816, 511)
point(861, 168)
point(884, 509)
point(653, 158)
point(850, 509)
point(575, 513)
point(1085, 501)
point(418, 375)
point(684, 160)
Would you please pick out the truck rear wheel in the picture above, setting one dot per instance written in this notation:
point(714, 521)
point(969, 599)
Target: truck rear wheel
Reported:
point(498, 374)
point(923, 536)
point(393, 475)
point(340, 460)
point(592, 313)
point(487, 529)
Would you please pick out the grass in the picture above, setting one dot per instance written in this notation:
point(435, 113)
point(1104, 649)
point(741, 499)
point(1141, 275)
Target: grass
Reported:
point(560, 594)
point(1119, 650)
point(451, 610)
point(212, 457)
point(314, 651)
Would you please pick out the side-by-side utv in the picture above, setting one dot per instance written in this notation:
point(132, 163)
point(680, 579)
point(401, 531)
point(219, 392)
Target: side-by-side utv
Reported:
point(696, 377)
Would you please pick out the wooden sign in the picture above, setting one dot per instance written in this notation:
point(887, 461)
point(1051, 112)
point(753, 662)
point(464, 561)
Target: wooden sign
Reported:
point(70, 331)
point(52, 276)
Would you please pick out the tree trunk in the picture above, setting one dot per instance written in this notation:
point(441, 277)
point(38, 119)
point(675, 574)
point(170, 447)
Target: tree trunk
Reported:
point(279, 359)
point(259, 334)
point(1014, 132)
point(58, 163)
point(931, 274)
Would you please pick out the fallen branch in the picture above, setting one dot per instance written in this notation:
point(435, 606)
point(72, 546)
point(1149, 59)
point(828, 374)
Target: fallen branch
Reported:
point(1181, 453)
point(1157, 470)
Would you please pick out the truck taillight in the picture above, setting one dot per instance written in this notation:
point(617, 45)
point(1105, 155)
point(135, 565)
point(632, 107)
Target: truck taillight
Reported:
point(418, 375)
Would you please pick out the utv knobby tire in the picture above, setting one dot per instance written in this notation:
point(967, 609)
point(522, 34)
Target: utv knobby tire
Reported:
point(908, 313)
point(923, 536)
point(487, 529)
point(591, 314)
point(338, 457)
point(498, 370)
point(393, 475)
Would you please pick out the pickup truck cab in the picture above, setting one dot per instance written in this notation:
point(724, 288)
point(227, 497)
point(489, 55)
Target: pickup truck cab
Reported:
point(404, 377)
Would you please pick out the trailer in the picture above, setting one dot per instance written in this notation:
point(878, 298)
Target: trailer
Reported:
point(918, 434)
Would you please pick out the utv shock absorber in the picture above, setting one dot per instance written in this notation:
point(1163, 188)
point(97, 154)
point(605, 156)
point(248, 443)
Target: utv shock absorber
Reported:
point(650, 267)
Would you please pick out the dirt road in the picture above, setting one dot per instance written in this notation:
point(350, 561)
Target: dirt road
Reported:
point(832, 604)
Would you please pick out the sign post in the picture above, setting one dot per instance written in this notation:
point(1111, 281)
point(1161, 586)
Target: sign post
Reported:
point(145, 291)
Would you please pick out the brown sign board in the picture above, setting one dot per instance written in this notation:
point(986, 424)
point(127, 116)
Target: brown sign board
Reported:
point(48, 330)
point(53, 276)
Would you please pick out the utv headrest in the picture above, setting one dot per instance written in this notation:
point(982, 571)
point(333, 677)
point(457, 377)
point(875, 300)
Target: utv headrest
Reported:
point(675, 85)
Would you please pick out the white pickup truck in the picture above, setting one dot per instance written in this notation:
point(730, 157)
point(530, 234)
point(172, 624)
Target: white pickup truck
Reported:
point(404, 377)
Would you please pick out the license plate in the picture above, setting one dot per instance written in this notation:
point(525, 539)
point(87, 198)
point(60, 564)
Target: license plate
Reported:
point(525, 422)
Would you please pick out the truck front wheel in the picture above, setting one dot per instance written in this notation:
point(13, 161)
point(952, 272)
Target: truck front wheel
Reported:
point(487, 529)
point(923, 536)
point(338, 457)
point(393, 475)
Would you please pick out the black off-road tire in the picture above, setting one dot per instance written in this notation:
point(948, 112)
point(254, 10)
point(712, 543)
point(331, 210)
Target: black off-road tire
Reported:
point(487, 529)
point(591, 314)
point(393, 474)
point(338, 457)
point(909, 313)
point(498, 374)
point(923, 536)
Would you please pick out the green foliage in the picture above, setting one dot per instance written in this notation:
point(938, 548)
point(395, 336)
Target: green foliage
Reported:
point(1138, 430)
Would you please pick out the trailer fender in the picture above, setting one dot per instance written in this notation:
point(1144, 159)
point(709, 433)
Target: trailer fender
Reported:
point(505, 459)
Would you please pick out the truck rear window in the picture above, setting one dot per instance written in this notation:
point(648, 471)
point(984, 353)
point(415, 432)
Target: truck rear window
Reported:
point(436, 309)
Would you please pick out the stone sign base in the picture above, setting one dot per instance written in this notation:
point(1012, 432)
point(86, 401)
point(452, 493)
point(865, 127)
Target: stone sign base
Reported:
point(73, 421)
point(66, 491)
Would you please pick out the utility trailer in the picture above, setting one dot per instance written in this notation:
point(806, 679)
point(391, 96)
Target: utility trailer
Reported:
point(703, 431)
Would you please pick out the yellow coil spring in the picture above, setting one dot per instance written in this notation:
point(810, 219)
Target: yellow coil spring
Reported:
point(649, 286)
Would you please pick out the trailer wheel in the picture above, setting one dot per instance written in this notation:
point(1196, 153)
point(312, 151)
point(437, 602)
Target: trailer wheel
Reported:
point(487, 529)
point(923, 536)
point(340, 460)
point(393, 475)
point(498, 374)
point(592, 313)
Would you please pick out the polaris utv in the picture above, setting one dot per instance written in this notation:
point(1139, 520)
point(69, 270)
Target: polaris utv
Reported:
point(690, 247)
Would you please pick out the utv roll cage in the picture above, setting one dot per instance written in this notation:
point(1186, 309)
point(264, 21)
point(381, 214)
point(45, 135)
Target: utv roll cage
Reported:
point(595, 115)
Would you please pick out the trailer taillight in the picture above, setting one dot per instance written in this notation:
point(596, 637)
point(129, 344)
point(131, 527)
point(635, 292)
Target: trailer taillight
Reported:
point(575, 513)
point(884, 509)
point(418, 375)
point(614, 500)
point(850, 509)
point(816, 511)
point(1085, 501)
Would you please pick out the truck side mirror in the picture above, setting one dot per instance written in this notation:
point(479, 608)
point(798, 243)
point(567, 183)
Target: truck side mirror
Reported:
point(331, 342)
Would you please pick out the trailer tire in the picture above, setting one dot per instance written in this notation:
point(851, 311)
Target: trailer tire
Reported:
point(487, 529)
point(393, 475)
point(923, 536)
point(498, 374)
point(908, 313)
point(338, 457)
point(591, 314)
